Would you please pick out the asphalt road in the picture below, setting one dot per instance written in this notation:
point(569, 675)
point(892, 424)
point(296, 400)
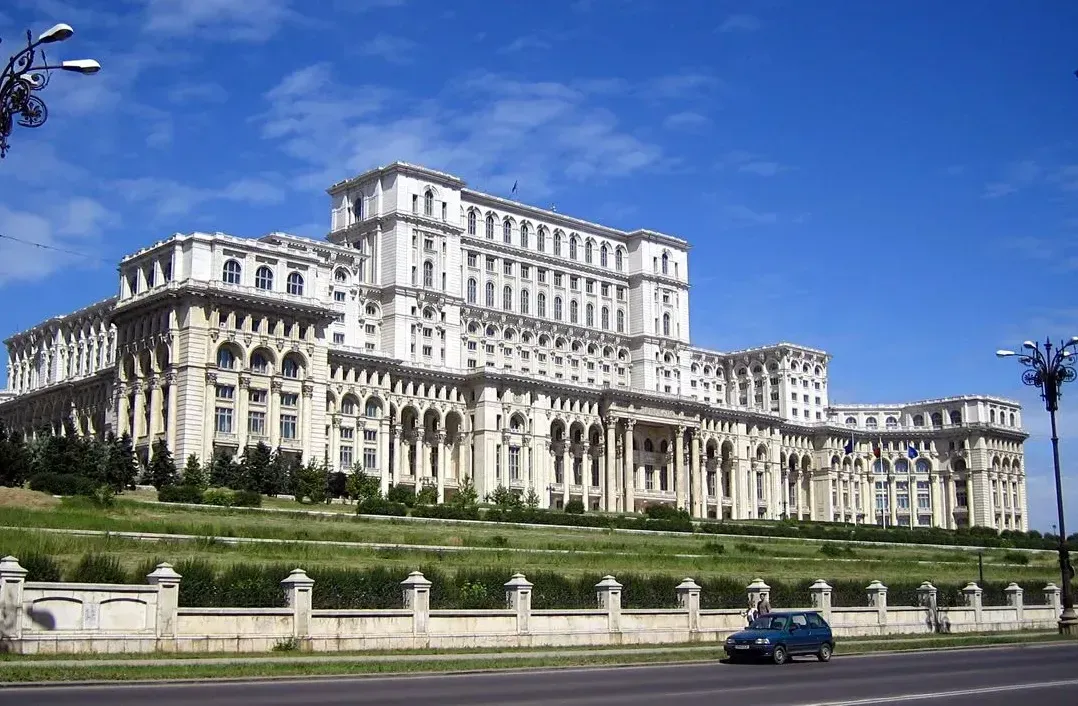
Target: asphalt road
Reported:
point(987, 677)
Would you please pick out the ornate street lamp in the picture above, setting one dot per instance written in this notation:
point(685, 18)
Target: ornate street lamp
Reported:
point(1048, 369)
point(21, 78)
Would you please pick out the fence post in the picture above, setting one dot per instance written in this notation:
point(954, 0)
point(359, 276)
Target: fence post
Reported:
point(1052, 596)
point(12, 578)
point(821, 598)
point(1015, 600)
point(877, 598)
point(417, 600)
point(168, 598)
point(608, 592)
point(973, 595)
point(688, 599)
point(757, 591)
point(297, 586)
point(518, 597)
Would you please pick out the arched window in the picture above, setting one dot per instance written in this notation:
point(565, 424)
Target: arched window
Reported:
point(507, 298)
point(605, 316)
point(357, 207)
point(428, 274)
point(290, 368)
point(666, 324)
point(891, 423)
point(428, 203)
point(621, 321)
point(259, 364)
point(230, 273)
point(373, 408)
point(490, 227)
point(871, 423)
point(557, 308)
point(574, 311)
point(264, 278)
point(557, 243)
point(918, 420)
point(666, 263)
point(341, 275)
point(524, 301)
point(348, 406)
point(523, 235)
point(295, 283)
point(540, 305)
point(225, 359)
point(619, 260)
point(540, 239)
point(471, 222)
point(587, 252)
point(490, 294)
point(472, 290)
point(507, 232)
point(589, 315)
point(572, 248)
point(602, 255)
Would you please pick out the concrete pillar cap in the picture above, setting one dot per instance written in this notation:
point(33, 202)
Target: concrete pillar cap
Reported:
point(9, 566)
point(876, 586)
point(687, 584)
point(163, 572)
point(416, 579)
point(517, 580)
point(297, 577)
point(758, 584)
point(608, 582)
point(820, 585)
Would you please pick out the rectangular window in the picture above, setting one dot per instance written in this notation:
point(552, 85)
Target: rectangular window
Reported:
point(257, 396)
point(288, 426)
point(490, 264)
point(226, 392)
point(514, 463)
point(256, 423)
point(338, 337)
point(473, 260)
point(339, 296)
point(507, 268)
point(370, 436)
point(525, 272)
point(348, 433)
point(289, 399)
point(370, 458)
point(346, 457)
point(540, 275)
point(223, 420)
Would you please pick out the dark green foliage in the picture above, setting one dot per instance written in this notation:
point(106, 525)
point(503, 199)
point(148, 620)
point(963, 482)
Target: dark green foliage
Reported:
point(122, 468)
point(40, 567)
point(362, 487)
point(250, 586)
point(14, 459)
point(338, 484)
point(403, 494)
point(162, 471)
point(445, 512)
point(377, 506)
point(466, 495)
point(221, 497)
point(98, 568)
point(311, 482)
point(246, 498)
point(224, 471)
point(261, 470)
point(427, 495)
point(180, 494)
point(505, 499)
point(574, 507)
point(62, 484)
point(194, 475)
point(198, 583)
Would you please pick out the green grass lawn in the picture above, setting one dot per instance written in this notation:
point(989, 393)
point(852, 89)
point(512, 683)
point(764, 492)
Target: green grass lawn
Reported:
point(524, 548)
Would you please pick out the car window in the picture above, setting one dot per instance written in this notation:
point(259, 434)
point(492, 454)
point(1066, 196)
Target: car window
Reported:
point(815, 621)
point(778, 623)
point(799, 621)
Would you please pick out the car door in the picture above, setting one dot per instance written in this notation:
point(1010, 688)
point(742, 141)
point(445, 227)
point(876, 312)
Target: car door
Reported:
point(801, 637)
point(821, 633)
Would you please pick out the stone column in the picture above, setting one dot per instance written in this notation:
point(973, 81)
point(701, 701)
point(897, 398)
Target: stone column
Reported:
point(12, 579)
point(297, 586)
point(384, 471)
point(1014, 600)
point(611, 459)
point(926, 595)
point(629, 467)
point(442, 449)
point(877, 598)
point(679, 467)
point(696, 478)
point(168, 598)
point(821, 598)
point(398, 455)
point(757, 591)
point(155, 407)
point(417, 600)
point(173, 432)
point(608, 593)
point(688, 599)
point(973, 595)
point(585, 475)
point(1052, 596)
point(518, 597)
point(892, 509)
point(933, 499)
point(424, 469)
point(952, 499)
point(812, 493)
point(971, 502)
point(567, 475)
point(273, 414)
point(138, 428)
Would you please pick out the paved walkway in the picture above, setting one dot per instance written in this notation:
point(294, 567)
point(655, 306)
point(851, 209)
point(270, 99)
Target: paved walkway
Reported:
point(296, 658)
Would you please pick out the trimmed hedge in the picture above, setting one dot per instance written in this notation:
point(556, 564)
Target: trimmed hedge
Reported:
point(259, 586)
point(222, 497)
point(62, 484)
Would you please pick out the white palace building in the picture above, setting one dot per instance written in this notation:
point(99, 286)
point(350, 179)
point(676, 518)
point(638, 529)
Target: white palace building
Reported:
point(440, 333)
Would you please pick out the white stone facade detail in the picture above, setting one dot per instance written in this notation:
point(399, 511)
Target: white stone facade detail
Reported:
point(440, 333)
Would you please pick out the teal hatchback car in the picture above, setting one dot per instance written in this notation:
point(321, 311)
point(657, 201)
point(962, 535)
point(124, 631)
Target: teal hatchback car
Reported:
point(781, 635)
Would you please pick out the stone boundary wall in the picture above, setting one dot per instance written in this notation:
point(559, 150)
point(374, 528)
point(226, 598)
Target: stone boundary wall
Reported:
point(57, 618)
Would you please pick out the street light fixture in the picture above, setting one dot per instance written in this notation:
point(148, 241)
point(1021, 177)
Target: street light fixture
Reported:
point(21, 78)
point(1048, 368)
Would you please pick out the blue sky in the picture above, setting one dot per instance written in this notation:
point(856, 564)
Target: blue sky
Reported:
point(893, 182)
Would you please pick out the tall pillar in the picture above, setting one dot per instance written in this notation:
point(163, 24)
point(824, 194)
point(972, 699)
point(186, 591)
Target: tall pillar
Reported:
point(155, 408)
point(696, 476)
point(812, 494)
point(892, 514)
point(383, 455)
point(680, 485)
point(139, 427)
point(585, 475)
point(398, 454)
point(629, 470)
point(442, 449)
point(611, 458)
point(934, 499)
point(172, 432)
point(952, 499)
point(566, 472)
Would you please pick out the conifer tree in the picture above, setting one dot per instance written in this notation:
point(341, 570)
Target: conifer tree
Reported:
point(162, 472)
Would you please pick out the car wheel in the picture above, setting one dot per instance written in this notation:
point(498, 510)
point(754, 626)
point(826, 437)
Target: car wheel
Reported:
point(824, 655)
point(779, 656)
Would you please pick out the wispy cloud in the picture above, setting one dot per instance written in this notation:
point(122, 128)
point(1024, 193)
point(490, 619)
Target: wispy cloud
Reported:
point(742, 215)
point(484, 125)
point(231, 20)
point(686, 120)
point(749, 163)
point(1016, 177)
point(395, 50)
point(681, 85)
point(189, 92)
point(170, 198)
point(525, 43)
point(740, 23)
point(51, 240)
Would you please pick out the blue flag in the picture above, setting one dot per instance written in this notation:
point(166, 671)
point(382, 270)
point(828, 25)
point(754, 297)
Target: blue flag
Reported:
point(911, 452)
point(848, 448)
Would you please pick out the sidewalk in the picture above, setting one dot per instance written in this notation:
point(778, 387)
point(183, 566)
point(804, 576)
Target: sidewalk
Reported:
point(330, 657)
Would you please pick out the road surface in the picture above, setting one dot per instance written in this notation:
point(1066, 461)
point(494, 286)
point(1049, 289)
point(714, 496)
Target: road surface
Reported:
point(986, 677)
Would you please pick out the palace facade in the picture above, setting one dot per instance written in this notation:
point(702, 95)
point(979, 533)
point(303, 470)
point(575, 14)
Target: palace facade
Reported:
point(440, 333)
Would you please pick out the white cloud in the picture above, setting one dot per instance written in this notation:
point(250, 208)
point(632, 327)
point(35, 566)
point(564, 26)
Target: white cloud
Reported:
point(170, 198)
point(682, 85)
point(204, 91)
point(1016, 177)
point(525, 43)
point(485, 127)
point(740, 23)
point(749, 163)
point(234, 20)
point(395, 50)
point(38, 246)
point(686, 120)
point(743, 215)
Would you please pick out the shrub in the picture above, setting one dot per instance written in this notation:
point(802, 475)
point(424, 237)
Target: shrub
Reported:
point(1016, 558)
point(180, 494)
point(98, 568)
point(714, 547)
point(401, 494)
point(40, 567)
point(574, 507)
point(222, 497)
point(198, 587)
point(247, 498)
point(427, 495)
point(62, 484)
point(377, 506)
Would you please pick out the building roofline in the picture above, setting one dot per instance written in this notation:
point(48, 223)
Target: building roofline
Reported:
point(105, 305)
point(392, 167)
point(864, 407)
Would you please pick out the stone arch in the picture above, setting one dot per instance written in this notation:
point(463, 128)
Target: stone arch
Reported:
point(518, 423)
point(372, 407)
point(558, 429)
point(229, 356)
point(162, 357)
point(409, 418)
point(263, 360)
point(350, 404)
point(294, 365)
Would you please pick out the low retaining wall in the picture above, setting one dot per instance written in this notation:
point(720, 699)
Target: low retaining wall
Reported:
point(53, 618)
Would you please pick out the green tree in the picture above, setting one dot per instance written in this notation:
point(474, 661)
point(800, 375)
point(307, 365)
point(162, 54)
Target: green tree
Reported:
point(193, 473)
point(466, 495)
point(427, 495)
point(505, 498)
point(224, 471)
point(162, 471)
point(14, 458)
point(255, 469)
point(531, 500)
point(362, 487)
point(121, 467)
point(311, 482)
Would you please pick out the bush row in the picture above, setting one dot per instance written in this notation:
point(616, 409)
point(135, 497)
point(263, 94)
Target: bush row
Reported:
point(222, 497)
point(258, 586)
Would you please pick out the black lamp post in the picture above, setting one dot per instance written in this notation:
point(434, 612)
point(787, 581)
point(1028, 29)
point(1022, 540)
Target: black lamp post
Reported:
point(21, 78)
point(1048, 368)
